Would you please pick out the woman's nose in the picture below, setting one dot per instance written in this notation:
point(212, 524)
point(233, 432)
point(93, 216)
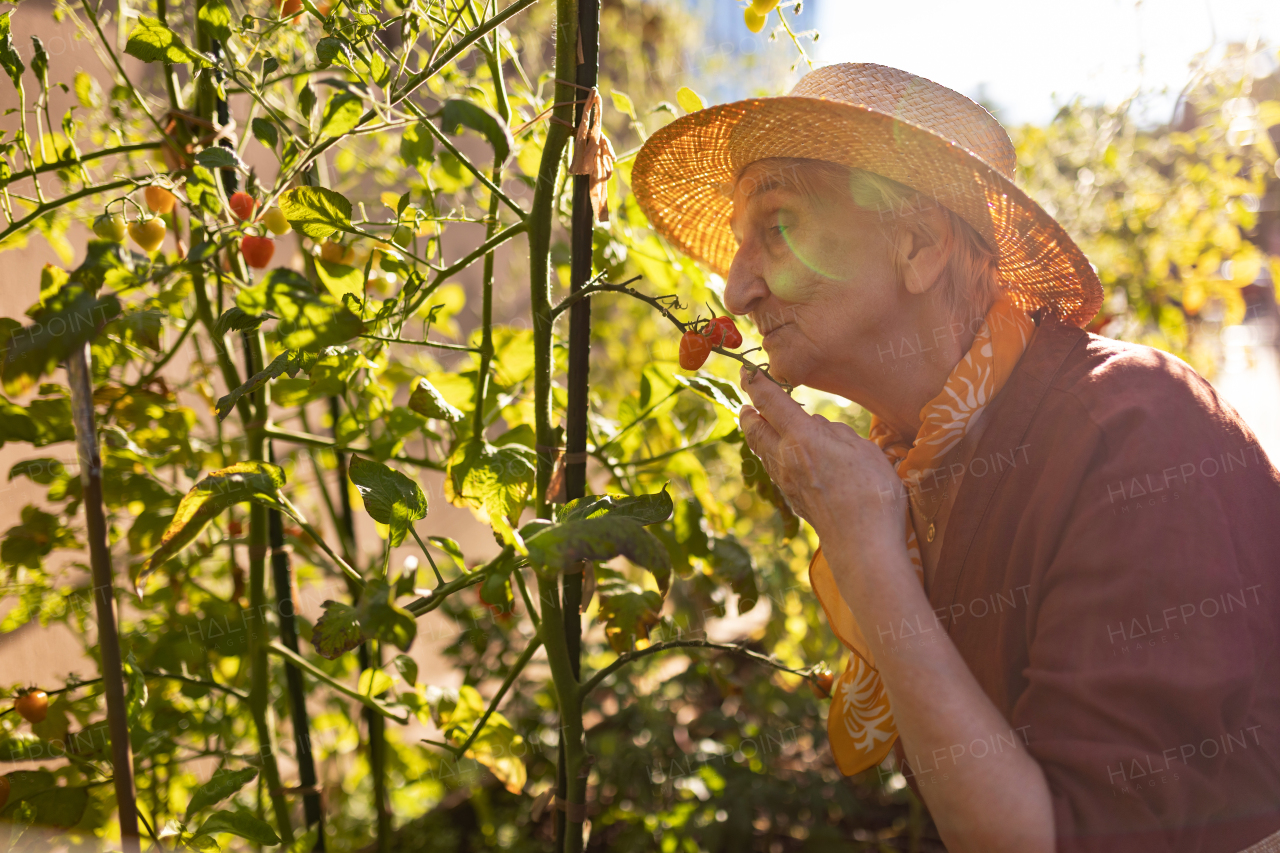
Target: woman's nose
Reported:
point(745, 285)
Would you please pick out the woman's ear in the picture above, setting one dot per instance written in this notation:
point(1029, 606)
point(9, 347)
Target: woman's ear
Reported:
point(923, 248)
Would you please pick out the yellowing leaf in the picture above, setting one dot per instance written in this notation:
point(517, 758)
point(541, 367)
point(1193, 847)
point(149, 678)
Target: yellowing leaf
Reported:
point(689, 100)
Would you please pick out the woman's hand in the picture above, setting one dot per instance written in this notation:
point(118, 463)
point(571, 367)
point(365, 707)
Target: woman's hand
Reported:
point(834, 478)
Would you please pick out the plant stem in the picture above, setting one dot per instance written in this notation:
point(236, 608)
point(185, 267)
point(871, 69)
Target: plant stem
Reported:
point(630, 657)
point(84, 158)
point(283, 580)
point(80, 378)
point(516, 669)
point(45, 207)
point(299, 661)
point(259, 663)
point(568, 695)
point(541, 221)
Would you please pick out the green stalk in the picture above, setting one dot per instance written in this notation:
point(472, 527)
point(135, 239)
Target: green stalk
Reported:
point(568, 697)
point(259, 663)
point(494, 57)
point(541, 221)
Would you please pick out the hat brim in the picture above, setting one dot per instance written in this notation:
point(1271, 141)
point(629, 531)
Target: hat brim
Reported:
point(681, 174)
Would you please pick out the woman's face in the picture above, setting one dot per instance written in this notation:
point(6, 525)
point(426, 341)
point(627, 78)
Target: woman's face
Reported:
point(813, 271)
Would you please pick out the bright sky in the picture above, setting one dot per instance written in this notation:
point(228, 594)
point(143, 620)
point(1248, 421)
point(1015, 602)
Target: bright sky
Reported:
point(1028, 53)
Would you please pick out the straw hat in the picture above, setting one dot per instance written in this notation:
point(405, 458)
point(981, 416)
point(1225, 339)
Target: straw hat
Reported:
point(881, 120)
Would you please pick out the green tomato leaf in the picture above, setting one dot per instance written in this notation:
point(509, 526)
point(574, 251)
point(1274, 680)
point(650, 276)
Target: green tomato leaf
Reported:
point(10, 58)
point(460, 113)
point(689, 100)
point(67, 320)
point(223, 784)
point(497, 746)
point(732, 562)
point(408, 669)
point(264, 130)
point(201, 189)
point(35, 538)
point(450, 547)
point(316, 211)
point(382, 619)
point(337, 631)
point(58, 806)
point(242, 824)
point(497, 481)
point(331, 49)
point(430, 403)
point(234, 319)
point(375, 617)
point(628, 611)
point(217, 157)
point(215, 19)
point(340, 279)
point(390, 497)
point(307, 320)
point(646, 509)
point(46, 421)
point(558, 548)
point(341, 114)
point(291, 362)
point(244, 481)
point(417, 145)
point(152, 41)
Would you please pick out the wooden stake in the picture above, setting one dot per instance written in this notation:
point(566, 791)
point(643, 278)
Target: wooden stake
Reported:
point(81, 381)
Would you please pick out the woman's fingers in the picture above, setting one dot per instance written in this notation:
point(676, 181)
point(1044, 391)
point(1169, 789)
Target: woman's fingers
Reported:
point(774, 405)
point(761, 437)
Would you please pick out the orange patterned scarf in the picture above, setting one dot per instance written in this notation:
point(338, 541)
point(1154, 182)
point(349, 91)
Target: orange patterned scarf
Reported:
point(860, 724)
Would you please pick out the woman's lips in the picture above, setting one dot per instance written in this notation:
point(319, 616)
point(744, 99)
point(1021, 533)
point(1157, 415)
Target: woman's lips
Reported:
point(772, 331)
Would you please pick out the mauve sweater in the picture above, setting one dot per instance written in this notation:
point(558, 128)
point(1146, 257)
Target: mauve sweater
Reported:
point(1109, 573)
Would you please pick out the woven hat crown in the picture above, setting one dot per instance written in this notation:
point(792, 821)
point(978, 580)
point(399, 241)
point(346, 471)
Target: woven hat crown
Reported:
point(915, 99)
point(881, 120)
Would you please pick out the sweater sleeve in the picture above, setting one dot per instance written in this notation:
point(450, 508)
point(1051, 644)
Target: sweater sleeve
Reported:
point(1141, 658)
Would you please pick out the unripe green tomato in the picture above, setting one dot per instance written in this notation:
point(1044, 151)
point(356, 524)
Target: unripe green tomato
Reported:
point(110, 226)
point(764, 7)
point(754, 20)
point(274, 220)
point(403, 235)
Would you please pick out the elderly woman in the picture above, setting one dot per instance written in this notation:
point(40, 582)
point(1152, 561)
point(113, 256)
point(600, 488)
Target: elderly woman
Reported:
point(1054, 562)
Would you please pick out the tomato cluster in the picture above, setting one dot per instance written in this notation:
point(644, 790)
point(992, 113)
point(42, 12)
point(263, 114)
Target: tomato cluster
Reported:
point(697, 344)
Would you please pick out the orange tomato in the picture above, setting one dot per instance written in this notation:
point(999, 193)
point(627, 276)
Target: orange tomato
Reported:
point(33, 705)
point(159, 199)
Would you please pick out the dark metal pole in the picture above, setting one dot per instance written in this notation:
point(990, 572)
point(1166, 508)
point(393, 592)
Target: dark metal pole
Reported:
point(81, 380)
point(375, 725)
point(287, 608)
point(575, 428)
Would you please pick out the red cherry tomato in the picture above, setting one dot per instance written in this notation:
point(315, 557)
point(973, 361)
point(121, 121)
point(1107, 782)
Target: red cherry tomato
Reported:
point(257, 251)
point(242, 205)
point(694, 349)
point(723, 332)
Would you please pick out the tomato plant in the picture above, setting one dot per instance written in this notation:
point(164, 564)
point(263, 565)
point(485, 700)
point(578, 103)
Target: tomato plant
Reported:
point(392, 150)
point(445, 322)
